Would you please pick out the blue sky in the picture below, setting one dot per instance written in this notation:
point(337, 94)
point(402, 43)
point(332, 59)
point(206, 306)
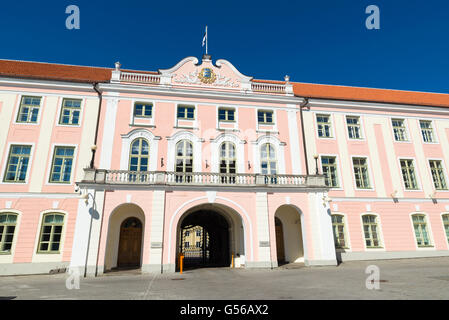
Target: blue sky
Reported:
point(312, 41)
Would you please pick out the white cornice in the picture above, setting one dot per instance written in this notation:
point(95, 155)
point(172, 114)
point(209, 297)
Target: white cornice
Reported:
point(45, 84)
point(376, 106)
point(189, 93)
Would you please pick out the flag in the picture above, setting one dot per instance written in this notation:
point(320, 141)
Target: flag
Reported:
point(205, 37)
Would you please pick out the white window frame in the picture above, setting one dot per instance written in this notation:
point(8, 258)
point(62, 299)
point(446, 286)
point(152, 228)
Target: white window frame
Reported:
point(153, 144)
point(407, 131)
point(434, 131)
point(347, 238)
point(370, 175)
point(74, 164)
point(337, 161)
point(379, 231)
point(149, 120)
point(444, 174)
point(332, 126)
point(9, 258)
point(362, 127)
point(417, 174)
point(5, 163)
point(432, 246)
point(38, 121)
point(82, 108)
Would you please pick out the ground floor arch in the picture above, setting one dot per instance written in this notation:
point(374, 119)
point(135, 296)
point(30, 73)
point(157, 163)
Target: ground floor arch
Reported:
point(125, 237)
point(210, 235)
point(289, 235)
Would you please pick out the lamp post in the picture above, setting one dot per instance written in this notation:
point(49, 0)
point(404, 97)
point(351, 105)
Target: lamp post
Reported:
point(316, 164)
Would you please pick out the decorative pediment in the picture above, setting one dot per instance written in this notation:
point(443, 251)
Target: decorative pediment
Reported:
point(221, 75)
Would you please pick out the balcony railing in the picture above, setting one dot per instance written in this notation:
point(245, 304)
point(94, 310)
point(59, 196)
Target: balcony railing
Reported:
point(125, 177)
point(268, 87)
point(140, 77)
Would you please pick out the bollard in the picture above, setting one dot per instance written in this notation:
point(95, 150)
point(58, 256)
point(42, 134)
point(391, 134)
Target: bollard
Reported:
point(232, 260)
point(181, 261)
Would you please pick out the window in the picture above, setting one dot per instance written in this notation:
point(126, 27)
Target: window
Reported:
point(226, 114)
point(338, 226)
point(198, 233)
point(354, 131)
point(427, 131)
point(361, 173)
point(51, 232)
point(186, 244)
point(399, 130)
point(187, 233)
point(186, 112)
point(70, 113)
point(61, 168)
point(408, 174)
point(268, 159)
point(227, 162)
point(7, 227)
point(143, 110)
point(139, 155)
point(19, 158)
point(421, 232)
point(324, 126)
point(184, 160)
point(265, 117)
point(370, 230)
point(445, 218)
point(329, 167)
point(29, 109)
point(198, 244)
point(439, 180)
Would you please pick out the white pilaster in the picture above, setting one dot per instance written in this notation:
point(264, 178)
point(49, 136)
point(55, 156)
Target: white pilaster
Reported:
point(156, 232)
point(263, 232)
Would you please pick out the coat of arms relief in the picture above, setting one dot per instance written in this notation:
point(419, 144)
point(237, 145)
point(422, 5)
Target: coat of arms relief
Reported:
point(205, 76)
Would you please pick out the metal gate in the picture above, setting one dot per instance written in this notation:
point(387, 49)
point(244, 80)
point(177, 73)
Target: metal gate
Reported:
point(195, 246)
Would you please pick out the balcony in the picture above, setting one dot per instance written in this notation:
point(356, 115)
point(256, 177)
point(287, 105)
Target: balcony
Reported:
point(125, 177)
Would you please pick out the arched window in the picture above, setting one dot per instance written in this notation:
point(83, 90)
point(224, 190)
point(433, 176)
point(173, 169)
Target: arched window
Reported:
point(184, 160)
point(139, 155)
point(445, 218)
point(371, 231)
point(7, 227)
point(421, 231)
point(268, 162)
point(338, 226)
point(51, 232)
point(227, 162)
point(268, 159)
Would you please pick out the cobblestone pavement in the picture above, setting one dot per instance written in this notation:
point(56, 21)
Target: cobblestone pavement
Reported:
point(400, 279)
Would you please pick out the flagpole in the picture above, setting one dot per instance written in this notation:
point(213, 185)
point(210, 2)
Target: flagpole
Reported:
point(206, 39)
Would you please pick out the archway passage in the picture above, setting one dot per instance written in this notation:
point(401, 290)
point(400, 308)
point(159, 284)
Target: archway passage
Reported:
point(289, 236)
point(279, 241)
point(204, 240)
point(129, 252)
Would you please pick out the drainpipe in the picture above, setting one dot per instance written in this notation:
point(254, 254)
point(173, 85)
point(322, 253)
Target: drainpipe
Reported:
point(94, 148)
point(306, 102)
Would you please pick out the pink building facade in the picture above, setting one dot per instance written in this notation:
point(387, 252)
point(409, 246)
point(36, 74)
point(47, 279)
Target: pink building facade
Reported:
point(111, 168)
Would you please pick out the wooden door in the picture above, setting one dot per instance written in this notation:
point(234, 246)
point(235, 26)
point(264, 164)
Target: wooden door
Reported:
point(130, 243)
point(279, 241)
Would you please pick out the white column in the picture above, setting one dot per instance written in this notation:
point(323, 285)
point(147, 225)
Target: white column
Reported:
point(108, 133)
point(156, 232)
point(87, 233)
point(263, 232)
point(321, 230)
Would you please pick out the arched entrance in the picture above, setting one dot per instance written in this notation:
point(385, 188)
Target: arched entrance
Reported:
point(279, 241)
point(289, 235)
point(125, 237)
point(130, 243)
point(210, 236)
